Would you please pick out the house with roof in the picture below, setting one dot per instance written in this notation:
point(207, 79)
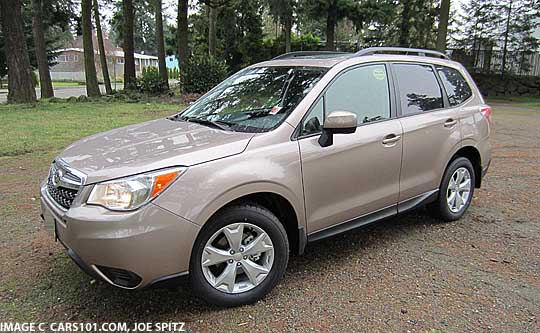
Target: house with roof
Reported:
point(70, 61)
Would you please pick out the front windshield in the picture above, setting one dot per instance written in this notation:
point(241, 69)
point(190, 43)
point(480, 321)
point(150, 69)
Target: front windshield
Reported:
point(255, 99)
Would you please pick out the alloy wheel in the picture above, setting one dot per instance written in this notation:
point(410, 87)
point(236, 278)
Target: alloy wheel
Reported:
point(459, 190)
point(237, 258)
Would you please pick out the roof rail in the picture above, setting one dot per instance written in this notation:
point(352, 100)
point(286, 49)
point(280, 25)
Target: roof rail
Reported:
point(401, 50)
point(298, 54)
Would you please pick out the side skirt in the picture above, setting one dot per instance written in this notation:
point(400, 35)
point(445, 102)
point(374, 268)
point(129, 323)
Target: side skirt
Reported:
point(382, 214)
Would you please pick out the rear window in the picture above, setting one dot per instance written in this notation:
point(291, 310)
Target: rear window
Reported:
point(457, 88)
point(419, 89)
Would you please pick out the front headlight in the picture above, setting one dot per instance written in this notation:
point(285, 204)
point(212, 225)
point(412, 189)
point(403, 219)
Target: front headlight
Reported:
point(132, 192)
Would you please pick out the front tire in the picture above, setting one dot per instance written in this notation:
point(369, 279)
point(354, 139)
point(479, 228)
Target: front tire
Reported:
point(456, 191)
point(239, 256)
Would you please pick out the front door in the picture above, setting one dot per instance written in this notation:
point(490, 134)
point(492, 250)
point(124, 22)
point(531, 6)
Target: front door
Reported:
point(359, 173)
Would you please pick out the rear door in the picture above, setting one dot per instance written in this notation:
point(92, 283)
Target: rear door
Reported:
point(359, 173)
point(430, 130)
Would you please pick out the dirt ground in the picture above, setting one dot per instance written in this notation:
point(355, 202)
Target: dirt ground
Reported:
point(407, 274)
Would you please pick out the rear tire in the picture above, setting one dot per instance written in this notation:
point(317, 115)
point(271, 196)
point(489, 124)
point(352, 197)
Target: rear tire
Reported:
point(208, 270)
point(456, 191)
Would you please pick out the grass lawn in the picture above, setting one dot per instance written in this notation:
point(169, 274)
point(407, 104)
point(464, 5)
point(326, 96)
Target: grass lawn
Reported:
point(58, 84)
point(48, 127)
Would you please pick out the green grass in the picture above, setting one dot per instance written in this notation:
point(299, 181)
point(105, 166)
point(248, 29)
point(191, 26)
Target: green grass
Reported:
point(47, 127)
point(57, 84)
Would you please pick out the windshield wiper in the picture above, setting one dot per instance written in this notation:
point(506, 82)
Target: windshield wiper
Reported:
point(219, 124)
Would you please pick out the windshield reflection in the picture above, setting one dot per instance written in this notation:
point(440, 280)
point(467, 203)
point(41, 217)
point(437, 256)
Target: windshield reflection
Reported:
point(256, 99)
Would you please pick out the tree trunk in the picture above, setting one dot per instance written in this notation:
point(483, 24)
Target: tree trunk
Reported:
point(92, 87)
point(161, 45)
point(20, 85)
point(102, 54)
point(331, 21)
point(128, 46)
point(38, 28)
point(442, 30)
point(287, 27)
point(183, 48)
point(212, 33)
point(506, 33)
point(405, 24)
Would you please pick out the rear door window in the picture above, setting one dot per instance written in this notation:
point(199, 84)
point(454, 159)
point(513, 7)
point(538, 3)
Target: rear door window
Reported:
point(419, 90)
point(457, 88)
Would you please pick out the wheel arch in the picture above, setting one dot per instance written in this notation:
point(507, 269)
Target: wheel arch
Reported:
point(473, 155)
point(276, 201)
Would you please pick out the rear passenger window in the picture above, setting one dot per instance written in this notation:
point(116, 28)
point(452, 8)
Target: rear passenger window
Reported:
point(363, 91)
point(419, 89)
point(457, 88)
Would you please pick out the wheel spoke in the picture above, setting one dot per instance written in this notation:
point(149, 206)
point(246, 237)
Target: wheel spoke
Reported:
point(452, 199)
point(258, 245)
point(465, 186)
point(459, 201)
point(460, 174)
point(253, 270)
point(213, 256)
point(234, 234)
point(227, 277)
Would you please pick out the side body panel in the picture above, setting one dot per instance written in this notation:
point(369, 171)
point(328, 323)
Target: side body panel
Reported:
point(271, 163)
point(428, 144)
point(355, 176)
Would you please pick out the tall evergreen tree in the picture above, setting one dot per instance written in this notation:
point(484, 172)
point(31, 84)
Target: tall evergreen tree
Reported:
point(282, 11)
point(92, 87)
point(161, 44)
point(101, 47)
point(20, 84)
point(182, 33)
point(38, 29)
point(442, 29)
point(128, 44)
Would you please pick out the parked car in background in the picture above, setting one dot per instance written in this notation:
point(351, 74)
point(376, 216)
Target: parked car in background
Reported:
point(282, 153)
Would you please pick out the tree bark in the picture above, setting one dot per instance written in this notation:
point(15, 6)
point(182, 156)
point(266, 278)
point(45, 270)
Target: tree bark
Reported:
point(20, 85)
point(287, 27)
point(442, 30)
point(405, 24)
point(506, 33)
point(102, 54)
point(38, 28)
point(331, 21)
point(128, 46)
point(92, 87)
point(183, 48)
point(212, 33)
point(161, 45)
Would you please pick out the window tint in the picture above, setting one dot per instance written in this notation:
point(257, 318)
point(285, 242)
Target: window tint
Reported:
point(314, 120)
point(363, 91)
point(419, 89)
point(457, 88)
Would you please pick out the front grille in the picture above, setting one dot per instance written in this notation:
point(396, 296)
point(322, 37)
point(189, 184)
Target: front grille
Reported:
point(63, 196)
point(63, 187)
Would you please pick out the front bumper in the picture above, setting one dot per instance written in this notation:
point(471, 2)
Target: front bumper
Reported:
point(130, 250)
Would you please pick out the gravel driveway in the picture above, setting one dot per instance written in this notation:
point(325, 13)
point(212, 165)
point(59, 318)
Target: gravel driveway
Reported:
point(408, 273)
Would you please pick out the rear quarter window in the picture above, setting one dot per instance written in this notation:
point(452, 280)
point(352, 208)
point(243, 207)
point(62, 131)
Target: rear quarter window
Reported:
point(457, 88)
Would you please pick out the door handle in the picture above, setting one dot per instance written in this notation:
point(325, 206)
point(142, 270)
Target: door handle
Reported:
point(450, 122)
point(391, 138)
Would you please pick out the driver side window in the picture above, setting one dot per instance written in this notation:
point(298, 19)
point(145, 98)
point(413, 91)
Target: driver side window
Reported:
point(363, 91)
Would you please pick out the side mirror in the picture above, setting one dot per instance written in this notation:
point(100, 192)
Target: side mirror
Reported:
point(337, 122)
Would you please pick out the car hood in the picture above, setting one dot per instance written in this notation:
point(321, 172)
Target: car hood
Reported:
point(150, 146)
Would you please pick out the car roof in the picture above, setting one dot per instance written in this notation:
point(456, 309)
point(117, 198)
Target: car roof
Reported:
point(330, 59)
